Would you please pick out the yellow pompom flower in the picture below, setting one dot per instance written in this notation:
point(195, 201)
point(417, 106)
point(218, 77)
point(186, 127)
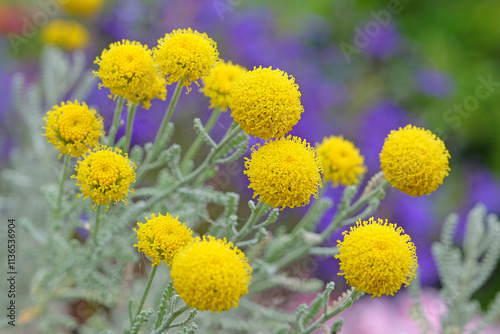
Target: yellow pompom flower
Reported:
point(414, 160)
point(211, 274)
point(216, 85)
point(85, 8)
point(265, 102)
point(161, 237)
point(67, 35)
point(105, 175)
point(185, 55)
point(73, 128)
point(284, 172)
point(341, 161)
point(377, 257)
point(127, 69)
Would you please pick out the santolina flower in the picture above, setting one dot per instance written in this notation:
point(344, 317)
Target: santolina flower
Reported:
point(284, 172)
point(216, 85)
point(161, 237)
point(105, 175)
point(377, 257)
point(341, 161)
point(73, 128)
point(86, 8)
point(127, 69)
point(67, 35)
point(185, 55)
point(414, 160)
point(211, 274)
point(265, 102)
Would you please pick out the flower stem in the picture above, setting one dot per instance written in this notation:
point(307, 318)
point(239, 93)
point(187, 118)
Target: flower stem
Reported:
point(97, 221)
point(197, 143)
point(166, 118)
point(259, 211)
point(146, 292)
point(116, 121)
point(64, 175)
point(306, 219)
point(132, 109)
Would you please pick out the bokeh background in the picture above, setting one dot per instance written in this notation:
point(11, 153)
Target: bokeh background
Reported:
point(364, 67)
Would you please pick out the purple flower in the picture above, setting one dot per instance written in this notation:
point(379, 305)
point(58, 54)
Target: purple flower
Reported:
point(434, 83)
point(381, 41)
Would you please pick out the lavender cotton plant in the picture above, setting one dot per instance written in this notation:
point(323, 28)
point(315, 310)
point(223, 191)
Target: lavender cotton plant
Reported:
point(126, 232)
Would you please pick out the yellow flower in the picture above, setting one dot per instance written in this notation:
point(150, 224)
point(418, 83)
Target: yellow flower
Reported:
point(414, 160)
point(284, 172)
point(265, 102)
point(185, 55)
point(377, 257)
point(105, 175)
point(73, 128)
point(211, 274)
point(161, 237)
point(67, 35)
point(86, 8)
point(127, 69)
point(341, 161)
point(216, 85)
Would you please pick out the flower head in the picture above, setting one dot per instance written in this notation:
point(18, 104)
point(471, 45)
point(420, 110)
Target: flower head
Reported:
point(211, 274)
point(105, 175)
point(414, 160)
point(73, 128)
point(67, 35)
point(127, 69)
point(265, 102)
point(284, 172)
point(216, 85)
point(341, 161)
point(185, 55)
point(377, 257)
point(161, 237)
point(86, 8)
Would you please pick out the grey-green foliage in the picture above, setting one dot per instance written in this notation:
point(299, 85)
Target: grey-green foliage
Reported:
point(464, 271)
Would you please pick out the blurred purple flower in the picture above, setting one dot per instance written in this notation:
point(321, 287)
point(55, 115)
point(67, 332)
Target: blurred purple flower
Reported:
point(434, 83)
point(383, 44)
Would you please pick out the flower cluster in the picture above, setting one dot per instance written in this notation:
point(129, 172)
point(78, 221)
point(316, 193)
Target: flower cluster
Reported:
point(414, 160)
point(341, 161)
point(67, 35)
point(218, 83)
point(161, 237)
point(211, 274)
point(265, 102)
point(105, 175)
point(185, 55)
point(128, 69)
point(73, 128)
point(377, 257)
point(284, 172)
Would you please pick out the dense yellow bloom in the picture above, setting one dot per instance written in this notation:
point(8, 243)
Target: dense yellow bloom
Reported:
point(161, 237)
point(377, 257)
point(216, 85)
point(414, 160)
point(86, 8)
point(73, 128)
point(105, 175)
point(127, 69)
point(341, 161)
point(265, 102)
point(211, 274)
point(185, 55)
point(284, 172)
point(67, 35)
